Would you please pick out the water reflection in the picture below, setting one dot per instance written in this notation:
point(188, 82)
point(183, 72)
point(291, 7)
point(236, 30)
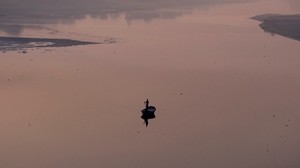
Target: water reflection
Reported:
point(17, 29)
point(15, 24)
point(11, 29)
point(15, 14)
point(145, 15)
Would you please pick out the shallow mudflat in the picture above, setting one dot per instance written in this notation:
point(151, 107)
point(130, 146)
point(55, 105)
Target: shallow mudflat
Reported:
point(17, 43)
point(284, 25)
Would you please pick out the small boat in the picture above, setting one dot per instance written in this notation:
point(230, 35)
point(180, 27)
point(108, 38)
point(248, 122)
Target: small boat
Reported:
point(148, 112)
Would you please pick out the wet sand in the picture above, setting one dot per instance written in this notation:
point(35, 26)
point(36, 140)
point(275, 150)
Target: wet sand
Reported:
point(20, 43)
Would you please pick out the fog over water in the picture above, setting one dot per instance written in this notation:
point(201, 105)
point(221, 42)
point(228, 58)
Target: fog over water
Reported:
point(226, 92)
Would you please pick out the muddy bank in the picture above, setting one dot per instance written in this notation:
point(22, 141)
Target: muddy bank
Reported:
point(19, 43)
point(284, 25)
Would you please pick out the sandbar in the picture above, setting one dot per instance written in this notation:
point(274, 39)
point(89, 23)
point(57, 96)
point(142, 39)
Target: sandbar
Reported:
point(284, 25)
point(19, 43)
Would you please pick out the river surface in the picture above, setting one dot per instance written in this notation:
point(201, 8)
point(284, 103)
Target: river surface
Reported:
point(227, 94)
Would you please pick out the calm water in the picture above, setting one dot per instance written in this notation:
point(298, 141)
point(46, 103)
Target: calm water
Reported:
point(227, 94)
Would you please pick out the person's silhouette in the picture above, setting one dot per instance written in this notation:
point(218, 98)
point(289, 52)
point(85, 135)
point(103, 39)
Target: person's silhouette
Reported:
point(147, 104)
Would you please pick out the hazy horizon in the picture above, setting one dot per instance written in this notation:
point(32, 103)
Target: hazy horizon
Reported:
point(37, 5)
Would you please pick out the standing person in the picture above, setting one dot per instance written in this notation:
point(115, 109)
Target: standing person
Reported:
point(147, 104)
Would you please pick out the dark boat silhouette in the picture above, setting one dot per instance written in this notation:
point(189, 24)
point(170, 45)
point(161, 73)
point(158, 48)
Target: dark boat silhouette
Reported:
point(148, 112)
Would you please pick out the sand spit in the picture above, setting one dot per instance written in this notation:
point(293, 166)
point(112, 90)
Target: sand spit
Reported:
point(284, 25)
point(20, 43)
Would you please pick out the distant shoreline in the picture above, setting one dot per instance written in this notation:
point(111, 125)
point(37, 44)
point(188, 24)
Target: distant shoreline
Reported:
point(284, 25)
